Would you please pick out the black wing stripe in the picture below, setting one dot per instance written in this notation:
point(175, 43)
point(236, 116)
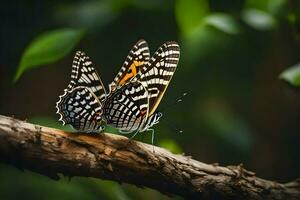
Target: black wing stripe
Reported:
point(84, 74)
point(139, 52)
point(124, 107)
point(158, 72)
point(80, 108)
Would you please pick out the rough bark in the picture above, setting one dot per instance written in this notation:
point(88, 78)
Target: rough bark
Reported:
point(51, 152)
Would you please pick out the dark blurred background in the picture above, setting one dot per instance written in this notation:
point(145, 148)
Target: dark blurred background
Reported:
point(232, 52)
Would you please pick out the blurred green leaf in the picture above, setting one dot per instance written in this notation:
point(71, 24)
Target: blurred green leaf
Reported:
point(89, 14)
point(273, 7)
point(190, 14)
point(50, 122)
point(112, 190)
point(223, 22)
point(48, 48)
point(170, 145)
point(109, 189)
point(204, 43)
point(259, 20)
point(276, 7)
point(35, 186)
point(292, 75)
point(294, 14)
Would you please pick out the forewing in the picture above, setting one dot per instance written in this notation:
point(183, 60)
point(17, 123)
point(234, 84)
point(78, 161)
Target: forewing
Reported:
point(136, 59)
point(81, 108)
point(84, 74)
point(127, 107)
point(158, 72)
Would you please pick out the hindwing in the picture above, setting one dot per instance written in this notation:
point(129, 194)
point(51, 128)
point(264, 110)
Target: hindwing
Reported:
point(80, 105)
point(127, 107)
point(81, 108)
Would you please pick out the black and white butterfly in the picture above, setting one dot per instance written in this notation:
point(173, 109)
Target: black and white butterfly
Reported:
point(135, 93)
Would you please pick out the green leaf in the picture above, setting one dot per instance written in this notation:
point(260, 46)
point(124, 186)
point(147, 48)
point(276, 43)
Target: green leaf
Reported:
point(93, 15)
point(259, 19)
point(190, 14)
point(294, 15)
point(223, 22)
point(273, 7)
point(170, 145)
point(292, 75)
point(48, 48)
point(112, 190)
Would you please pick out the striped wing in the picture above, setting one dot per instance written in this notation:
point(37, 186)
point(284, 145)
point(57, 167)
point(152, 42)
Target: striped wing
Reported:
point(81, 108)
point(157, 73)
point(84, 74)
point(136, 59)
point(127, 107)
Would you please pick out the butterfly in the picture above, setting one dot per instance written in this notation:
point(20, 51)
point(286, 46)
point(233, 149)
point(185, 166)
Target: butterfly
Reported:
point(134, 95)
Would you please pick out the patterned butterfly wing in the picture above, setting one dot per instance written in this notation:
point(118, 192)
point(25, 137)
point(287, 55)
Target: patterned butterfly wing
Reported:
point(84, 74)
point(136, 59)
point(81, 108)
point(157, 73)
point(127, 107)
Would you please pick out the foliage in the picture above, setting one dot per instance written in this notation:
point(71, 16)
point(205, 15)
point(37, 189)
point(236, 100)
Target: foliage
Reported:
point(47, 48)
point(292, 75)
point(231, 55)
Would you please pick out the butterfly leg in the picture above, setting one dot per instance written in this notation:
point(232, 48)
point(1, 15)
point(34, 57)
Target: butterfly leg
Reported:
point(152, 138)
point(130, 139)
point(136, 132)
point(152, 135)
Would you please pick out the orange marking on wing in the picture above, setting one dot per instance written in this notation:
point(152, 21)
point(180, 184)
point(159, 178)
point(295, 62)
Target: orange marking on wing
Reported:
point(133, 71)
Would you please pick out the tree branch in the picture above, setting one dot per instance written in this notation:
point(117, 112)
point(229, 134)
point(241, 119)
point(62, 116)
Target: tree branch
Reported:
point(50, 152)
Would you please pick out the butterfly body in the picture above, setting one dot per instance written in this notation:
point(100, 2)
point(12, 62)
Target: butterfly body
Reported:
point(134, 94)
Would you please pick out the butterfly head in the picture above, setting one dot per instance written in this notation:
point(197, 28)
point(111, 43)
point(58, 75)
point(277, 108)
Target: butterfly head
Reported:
point(152, 120)
point(155, 118)
point(101, 128)
point(158, 115)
